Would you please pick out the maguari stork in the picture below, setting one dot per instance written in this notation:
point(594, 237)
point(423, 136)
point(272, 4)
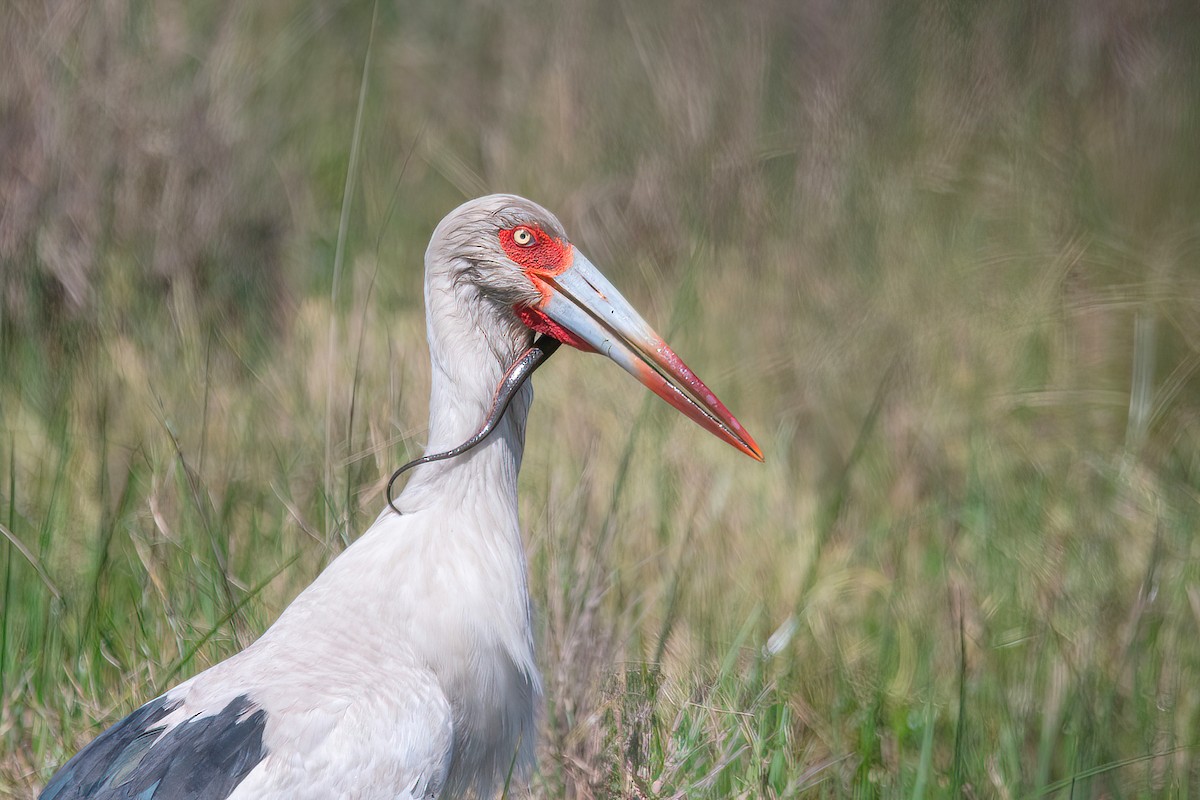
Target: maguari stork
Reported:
point(407, 669)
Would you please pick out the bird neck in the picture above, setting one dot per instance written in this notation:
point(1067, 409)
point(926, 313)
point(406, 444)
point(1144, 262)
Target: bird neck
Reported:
point(471, 346)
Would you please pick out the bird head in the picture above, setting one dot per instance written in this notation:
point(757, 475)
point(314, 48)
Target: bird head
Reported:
point(517, 256)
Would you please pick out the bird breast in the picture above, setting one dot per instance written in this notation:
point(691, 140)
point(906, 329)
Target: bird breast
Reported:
point(446, 590)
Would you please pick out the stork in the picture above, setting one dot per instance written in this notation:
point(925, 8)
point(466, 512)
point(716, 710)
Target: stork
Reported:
point(406, 670)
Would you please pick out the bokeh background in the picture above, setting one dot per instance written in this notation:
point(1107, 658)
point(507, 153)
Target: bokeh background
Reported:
point(941, 258)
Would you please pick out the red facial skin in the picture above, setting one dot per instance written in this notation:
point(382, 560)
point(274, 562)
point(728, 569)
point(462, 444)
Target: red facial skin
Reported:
point(547, 256)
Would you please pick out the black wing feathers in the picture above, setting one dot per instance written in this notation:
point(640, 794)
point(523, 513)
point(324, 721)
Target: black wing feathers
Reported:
point(203, 758)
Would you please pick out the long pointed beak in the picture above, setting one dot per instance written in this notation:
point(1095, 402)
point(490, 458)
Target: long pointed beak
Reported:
point(582, 301)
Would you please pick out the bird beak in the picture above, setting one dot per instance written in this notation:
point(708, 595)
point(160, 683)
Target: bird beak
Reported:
point(582, 301)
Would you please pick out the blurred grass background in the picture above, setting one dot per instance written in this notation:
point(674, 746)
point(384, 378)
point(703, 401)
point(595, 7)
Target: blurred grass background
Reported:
point(942, 258)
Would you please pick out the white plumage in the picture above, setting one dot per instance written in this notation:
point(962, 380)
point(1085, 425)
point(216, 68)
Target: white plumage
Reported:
point(407, 669)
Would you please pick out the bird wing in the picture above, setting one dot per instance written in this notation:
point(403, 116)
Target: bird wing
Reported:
point(360, 749)
point(348, 743)
point(150, 756)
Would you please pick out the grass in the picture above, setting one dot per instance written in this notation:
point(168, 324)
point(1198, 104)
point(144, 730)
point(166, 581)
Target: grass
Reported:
point(939, 258)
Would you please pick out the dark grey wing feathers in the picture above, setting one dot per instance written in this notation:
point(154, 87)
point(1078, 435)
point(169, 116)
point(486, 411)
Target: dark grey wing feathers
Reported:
point(202, 758)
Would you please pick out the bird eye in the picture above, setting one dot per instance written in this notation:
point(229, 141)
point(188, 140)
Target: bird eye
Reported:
point(523, 237)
